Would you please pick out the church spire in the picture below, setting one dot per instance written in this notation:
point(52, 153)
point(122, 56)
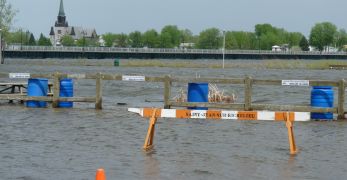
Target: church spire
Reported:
point(61, 17)
point(61, 9)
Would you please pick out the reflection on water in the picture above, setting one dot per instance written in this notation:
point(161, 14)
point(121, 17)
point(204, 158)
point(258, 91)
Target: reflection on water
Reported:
point(73, 143)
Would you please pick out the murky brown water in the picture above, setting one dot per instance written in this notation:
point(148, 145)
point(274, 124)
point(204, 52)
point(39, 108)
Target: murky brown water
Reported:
point(72, 143)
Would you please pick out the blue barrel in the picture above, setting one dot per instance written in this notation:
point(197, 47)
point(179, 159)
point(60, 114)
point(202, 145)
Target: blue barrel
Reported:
point(66, 90)
point(198, 92)
point(322, 96)
point(37, 87)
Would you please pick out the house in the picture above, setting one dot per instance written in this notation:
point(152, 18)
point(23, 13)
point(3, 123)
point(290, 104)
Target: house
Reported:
point(276, 48)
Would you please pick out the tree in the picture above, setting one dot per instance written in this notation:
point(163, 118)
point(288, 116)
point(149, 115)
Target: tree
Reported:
point(304, 44)
point(341, 38)
point(135, 39)
point(322, 35)
point(43, 41)
point(7, 14)
point(109, 39)
point(262, 29)
point(186, 36)
point(210, 39)
point(268, 35)
point(293, 38)
point(170, 37)
point(67, 40)
point(122, 40)
point(84, 42)
point(239, 40)
point(32, 41)
point(18, 37)
point(150, 38)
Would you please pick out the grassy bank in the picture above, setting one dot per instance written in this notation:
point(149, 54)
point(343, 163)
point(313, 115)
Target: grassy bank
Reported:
point(257, 64)
point(229, 64)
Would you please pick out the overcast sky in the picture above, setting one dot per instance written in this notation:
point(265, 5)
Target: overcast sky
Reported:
point(129, 15)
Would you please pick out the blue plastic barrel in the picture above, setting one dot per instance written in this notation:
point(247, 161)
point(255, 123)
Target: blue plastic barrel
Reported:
point(322, 96)
point(66, 90)
point(198, 92)
point(37, 87)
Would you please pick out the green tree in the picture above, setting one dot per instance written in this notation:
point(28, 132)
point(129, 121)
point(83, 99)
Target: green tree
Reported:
point(135, 39)
point(18, 37)
point(268, 40)
point(7, 14)
point(322, 35)
point(170, 37)
point(85, 42)
point(109, 39)
point(186, 36)
point(121, 40)
point(293, 38)
point(151, 38)
point(239, 40)
point(304, 44)
point(32, 41)
point(210, 39)
point(341, 38)
point(262, 29)
point(44, 41)
point(67, 40)
point(267, 36)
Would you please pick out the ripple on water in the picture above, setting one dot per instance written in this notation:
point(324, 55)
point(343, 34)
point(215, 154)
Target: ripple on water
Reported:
point(73, 143)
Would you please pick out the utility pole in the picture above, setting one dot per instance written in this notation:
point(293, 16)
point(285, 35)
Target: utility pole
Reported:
point(223, 47)
point(1, 57)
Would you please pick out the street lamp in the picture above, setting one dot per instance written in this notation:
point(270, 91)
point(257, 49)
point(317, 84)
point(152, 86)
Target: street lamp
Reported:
point(223, 47)
point(21, 38)
point(1, 58)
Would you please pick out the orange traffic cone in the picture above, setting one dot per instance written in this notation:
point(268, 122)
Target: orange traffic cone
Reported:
point(100, 175)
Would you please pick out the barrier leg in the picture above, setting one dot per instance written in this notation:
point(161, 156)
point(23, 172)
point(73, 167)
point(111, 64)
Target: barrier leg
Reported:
point(291, 138)
point(150, 133)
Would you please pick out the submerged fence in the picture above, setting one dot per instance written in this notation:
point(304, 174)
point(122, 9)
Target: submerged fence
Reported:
point(247, 82)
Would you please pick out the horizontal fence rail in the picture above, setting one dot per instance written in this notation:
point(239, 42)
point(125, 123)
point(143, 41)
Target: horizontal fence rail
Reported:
point(247, 82)
point(161, 50)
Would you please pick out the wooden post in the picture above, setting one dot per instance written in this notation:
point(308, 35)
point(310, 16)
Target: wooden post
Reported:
point(98, 101)
point(148, 145)
point(167, 92)
point(56, 89)
point(291, 138)
point(248, 93)
point(341, 99)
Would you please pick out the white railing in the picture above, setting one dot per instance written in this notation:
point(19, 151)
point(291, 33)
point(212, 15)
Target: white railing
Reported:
point(161, 50)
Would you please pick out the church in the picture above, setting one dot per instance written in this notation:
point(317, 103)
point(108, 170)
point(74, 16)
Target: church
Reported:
point(62, 28)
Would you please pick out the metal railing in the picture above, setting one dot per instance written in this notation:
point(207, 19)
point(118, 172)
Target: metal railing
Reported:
point(161, 50)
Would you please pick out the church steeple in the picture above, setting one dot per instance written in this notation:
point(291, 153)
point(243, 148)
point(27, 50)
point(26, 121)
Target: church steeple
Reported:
point(61, 16)
point(61, 9)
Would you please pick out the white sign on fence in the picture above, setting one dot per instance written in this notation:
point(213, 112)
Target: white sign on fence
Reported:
point(19, 75)
point(295, 83)
point(133, 78)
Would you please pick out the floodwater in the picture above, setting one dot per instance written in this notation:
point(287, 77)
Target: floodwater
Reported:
point(40, 144)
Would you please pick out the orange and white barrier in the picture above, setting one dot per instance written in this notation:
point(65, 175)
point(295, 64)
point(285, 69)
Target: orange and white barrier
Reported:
point(218, 114)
